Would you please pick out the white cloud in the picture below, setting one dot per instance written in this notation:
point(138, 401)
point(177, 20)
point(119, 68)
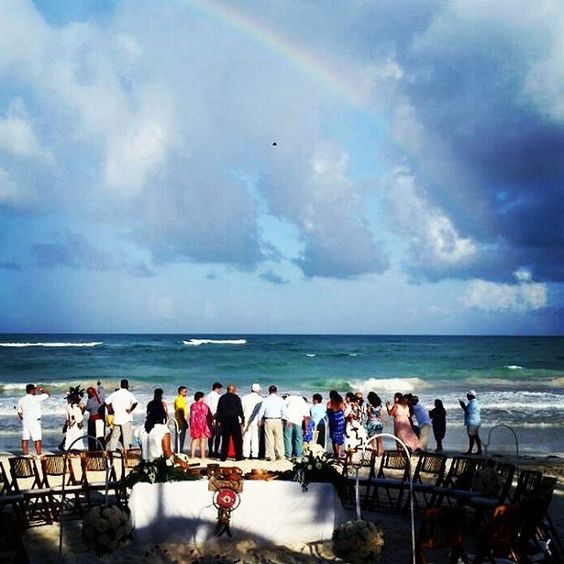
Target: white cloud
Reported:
point(521, 297)
point(10, 195)
point(434, 241)
point(17, 135)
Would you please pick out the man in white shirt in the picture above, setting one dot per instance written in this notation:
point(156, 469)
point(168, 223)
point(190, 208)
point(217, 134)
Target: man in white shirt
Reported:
point(121, 403)
point(251, 405)
point(211, 400)
point(297, 412)
point(273, 410)
point(29, 412)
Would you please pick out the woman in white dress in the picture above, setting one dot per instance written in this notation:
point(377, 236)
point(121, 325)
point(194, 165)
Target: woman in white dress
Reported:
point(75, 419)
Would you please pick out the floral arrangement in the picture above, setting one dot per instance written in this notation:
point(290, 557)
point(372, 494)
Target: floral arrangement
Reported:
point(106, 528)
point(313, 466)
point(161, 470)
point(358, 541)
point(486, 482)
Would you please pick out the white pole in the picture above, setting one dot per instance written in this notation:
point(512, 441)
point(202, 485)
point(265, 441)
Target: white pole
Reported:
point(409, 468)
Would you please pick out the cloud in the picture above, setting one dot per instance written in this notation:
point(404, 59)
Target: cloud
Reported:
point(327, 207)
point(435, 246)
point(272, 277)
point(17, 136)
point(496, 297)
point(74, 251)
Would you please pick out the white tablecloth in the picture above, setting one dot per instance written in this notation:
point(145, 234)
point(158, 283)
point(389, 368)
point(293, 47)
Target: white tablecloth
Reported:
point(275, 511)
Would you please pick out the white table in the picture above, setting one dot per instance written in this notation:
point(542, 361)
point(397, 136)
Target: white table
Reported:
point(275, 511)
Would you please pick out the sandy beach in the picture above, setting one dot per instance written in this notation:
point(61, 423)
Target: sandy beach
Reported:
point(42, 542)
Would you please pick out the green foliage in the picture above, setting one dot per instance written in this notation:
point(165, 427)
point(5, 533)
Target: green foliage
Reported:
point(158, 471)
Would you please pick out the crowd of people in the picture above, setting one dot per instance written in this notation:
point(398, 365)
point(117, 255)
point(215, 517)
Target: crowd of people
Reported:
point(222, 425)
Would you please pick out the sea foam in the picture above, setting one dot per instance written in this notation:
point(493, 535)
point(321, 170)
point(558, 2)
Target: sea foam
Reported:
point(49, 344)
point(198, 342)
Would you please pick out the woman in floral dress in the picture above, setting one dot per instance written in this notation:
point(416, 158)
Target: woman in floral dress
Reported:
point(200, 424)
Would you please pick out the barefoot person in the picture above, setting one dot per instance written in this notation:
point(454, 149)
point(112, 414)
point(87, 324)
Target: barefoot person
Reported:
point(201, 421)
point(472, 421)
point(29, 412)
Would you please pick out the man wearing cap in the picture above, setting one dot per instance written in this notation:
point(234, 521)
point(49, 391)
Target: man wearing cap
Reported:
point(472, 421)
point(29, 412)
point(251, 406)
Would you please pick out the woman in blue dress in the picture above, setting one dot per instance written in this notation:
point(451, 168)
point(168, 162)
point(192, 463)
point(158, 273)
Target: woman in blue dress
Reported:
point(336, 416)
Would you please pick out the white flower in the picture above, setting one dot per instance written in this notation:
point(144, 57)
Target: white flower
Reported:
point(309, 467)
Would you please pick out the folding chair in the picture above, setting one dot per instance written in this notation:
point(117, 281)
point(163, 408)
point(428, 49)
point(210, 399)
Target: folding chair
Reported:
point(8, 498)
point(53, 466)
point(429, 473)
point(37, 501)
point(442, 528)
point(456, 483)
point(500, 536)
point(505, 471)
point(98, 475)
point(393, 474)
point(528, 484)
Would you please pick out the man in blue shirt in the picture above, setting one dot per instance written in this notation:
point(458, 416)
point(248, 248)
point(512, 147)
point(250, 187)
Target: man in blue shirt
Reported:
point(472, 421)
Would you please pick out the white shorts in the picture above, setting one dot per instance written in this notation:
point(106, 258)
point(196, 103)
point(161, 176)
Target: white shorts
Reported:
point(31, 429)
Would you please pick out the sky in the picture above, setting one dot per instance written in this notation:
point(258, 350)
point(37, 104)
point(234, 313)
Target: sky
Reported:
point(282, 166)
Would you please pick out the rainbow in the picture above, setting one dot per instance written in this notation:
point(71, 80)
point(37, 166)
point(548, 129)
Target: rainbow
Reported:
point(311, 63)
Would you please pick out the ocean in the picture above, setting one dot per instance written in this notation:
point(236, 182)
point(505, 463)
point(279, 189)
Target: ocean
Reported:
point(519, 380)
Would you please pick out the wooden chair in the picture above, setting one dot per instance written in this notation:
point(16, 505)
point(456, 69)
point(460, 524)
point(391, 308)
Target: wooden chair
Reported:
point(14, 500)
point(505, 471)
point(429, 473)
point(501, 534)
point(456, 483)
point(98, 475)
point(37, 501)
point(528, 484)
point(393, 474)
point(442, 528)
point(53, 466)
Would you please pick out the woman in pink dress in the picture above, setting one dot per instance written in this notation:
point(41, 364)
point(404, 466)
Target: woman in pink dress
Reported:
point(402, 422)
point(200, 424)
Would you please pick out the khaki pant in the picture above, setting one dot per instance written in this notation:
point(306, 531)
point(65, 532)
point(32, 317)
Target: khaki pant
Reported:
point(274, 438)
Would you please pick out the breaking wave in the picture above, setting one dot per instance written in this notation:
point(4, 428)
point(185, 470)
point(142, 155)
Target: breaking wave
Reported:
point(198, 342)
point(49, 344)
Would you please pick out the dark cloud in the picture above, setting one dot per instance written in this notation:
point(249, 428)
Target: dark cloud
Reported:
point(74, 251)
point(273, 278)
point(491, 159)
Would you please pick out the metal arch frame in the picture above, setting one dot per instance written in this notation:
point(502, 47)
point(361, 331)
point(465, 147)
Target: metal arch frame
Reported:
point(410, 475)
point(515, 437)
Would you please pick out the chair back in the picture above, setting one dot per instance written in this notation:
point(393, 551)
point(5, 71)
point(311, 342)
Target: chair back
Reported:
point(5, 486)
point(442, 527)
point(53, 465)
point(505, 471)
point(132, 457)
point(24, 468)
point(94, 463)
point(430, 465)
point(460, 472)
point(393, 460)
point(528, 484)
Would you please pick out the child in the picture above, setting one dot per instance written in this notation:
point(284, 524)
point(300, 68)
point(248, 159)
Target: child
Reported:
point(438, 416)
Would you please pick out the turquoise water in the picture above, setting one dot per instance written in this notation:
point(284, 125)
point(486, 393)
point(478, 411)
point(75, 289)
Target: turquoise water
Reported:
point(519, 380)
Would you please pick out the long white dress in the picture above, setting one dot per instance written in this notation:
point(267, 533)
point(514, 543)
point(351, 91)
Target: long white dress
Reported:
point(75, 429)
